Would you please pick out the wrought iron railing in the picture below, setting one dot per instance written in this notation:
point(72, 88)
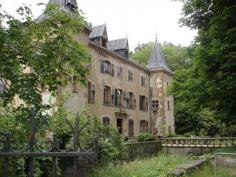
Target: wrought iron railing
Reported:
point(76, 152)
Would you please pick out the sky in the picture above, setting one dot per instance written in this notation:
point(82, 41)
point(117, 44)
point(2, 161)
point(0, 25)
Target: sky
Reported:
point(139, 20)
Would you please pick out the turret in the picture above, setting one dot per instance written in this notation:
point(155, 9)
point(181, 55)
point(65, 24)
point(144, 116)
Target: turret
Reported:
point(162, 109)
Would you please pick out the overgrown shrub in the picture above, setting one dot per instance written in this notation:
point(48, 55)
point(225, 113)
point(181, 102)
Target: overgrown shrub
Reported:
point(145, 137)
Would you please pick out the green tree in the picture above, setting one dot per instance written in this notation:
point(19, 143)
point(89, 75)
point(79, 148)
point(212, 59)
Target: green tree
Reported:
point(39, 54)
point(211, 81)
point(35, 55)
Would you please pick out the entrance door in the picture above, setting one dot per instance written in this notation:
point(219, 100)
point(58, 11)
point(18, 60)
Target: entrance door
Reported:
point(119, 125)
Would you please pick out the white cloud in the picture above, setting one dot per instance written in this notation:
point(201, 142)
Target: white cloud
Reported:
point(139, 20)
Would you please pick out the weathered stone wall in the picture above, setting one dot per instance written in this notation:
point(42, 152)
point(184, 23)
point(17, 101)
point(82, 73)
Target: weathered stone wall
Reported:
point(163, 117)
point(143, 149)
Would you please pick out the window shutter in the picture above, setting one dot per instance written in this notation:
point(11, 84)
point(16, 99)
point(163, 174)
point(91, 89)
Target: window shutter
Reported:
point(113, 96)
point(102, 66)
point(134, 102)
point(113, 70)
point(146, 104)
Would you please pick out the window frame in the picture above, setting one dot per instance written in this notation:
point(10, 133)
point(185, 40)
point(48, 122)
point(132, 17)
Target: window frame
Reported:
point(130, 77)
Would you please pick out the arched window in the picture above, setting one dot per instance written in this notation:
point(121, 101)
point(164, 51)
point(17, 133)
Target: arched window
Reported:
point(106, 121)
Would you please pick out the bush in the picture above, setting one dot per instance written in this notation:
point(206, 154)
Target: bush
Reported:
point(145, 137)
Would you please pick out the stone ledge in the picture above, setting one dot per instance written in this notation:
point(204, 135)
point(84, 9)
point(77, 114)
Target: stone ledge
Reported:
point(184, 168)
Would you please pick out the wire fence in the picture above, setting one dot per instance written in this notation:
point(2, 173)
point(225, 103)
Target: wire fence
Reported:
point(225, 164)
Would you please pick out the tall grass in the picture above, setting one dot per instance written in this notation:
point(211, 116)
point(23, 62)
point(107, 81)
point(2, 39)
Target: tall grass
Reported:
point(152, 167)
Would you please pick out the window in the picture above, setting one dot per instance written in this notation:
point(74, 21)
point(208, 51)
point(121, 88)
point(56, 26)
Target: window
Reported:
point(143, 81)
point(155, 104)
point(131, 128)
point(107, 67)
point(143, 103)
point(130, 75)
point(113, 70)
point(168, 104)
point(106, 121)
point(119, 72)
point(91, 92)
point(119, 125)
point(118, 97)
point(143, 126)
point(130, 100)
point(106, 95)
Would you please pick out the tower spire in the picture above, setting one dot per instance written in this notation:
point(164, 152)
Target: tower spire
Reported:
point(157, 59)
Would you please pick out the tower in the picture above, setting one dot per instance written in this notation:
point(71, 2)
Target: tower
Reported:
point(162, 105)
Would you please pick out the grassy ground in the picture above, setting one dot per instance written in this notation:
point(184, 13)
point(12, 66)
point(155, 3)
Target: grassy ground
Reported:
point(151, 167)
point(208, 170)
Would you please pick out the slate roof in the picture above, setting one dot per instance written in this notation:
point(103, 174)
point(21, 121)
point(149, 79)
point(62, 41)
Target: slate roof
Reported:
point(64, 6)
point(97, 31)
point(157, 59)
point(118, 44)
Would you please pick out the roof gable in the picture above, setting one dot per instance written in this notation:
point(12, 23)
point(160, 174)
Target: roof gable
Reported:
point(98, 31)
point(118, 44)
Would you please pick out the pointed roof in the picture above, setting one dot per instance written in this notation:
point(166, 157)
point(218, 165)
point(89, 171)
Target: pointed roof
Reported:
point(157, 59)
point(118, 44)
point(98, 31)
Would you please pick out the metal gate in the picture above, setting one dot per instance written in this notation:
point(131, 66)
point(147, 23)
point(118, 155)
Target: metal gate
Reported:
point(75, 153)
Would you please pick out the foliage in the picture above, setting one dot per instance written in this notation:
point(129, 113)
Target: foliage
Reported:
point(36, 55)
point(145, 137)
point(206, 92)
point(151, 167)
point(207, 170)
point(111, 144)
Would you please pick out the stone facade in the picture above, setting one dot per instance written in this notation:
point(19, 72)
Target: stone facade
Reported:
point(132, 115)
point(121, 92)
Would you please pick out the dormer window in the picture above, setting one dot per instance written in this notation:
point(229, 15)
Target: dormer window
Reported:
point(120, 46)
point(99, 35)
